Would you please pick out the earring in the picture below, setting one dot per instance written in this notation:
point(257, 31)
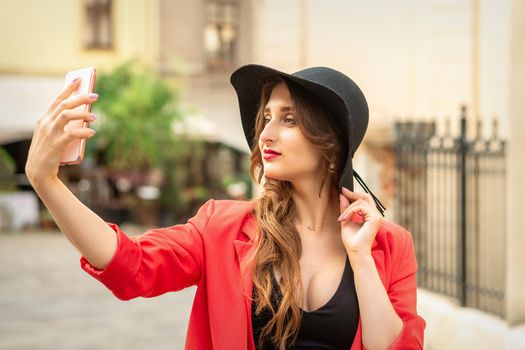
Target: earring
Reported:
point(331, 167)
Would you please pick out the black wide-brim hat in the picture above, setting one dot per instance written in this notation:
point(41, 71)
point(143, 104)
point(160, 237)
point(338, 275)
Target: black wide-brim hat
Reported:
point(336, 92)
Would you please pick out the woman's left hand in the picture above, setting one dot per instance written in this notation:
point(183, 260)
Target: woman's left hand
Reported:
point(358, 237)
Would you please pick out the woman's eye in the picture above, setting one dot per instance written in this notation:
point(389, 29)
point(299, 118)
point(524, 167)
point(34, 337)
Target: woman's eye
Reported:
point(285, 120)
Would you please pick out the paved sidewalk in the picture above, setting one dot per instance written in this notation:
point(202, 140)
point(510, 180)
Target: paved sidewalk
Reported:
point(48, 302)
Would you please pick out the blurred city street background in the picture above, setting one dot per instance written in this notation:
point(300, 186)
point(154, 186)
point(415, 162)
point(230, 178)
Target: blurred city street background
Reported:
point(444, 81)
point(46, 303)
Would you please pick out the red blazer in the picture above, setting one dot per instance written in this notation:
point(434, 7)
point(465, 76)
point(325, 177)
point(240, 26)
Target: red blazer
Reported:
point(209, 251)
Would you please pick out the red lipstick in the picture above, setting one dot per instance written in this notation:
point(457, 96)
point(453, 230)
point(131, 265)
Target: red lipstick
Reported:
point(270, 154)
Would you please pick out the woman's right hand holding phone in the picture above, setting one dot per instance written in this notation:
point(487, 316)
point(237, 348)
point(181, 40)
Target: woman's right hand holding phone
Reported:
point(50, 139)
point(88, 232)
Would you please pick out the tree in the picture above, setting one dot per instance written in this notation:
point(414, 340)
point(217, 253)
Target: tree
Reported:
point(136, 112)
point(7, 172)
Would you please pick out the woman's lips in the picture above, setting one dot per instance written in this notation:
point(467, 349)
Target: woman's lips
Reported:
point(269, 155)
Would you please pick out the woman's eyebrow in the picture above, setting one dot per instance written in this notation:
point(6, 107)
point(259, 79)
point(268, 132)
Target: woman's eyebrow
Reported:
point(283, 109)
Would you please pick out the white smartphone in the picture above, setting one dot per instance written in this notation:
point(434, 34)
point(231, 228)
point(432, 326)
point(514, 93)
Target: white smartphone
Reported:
point(74, 152)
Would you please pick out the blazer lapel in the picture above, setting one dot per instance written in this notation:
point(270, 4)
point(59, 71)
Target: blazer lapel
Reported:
point(243, 246)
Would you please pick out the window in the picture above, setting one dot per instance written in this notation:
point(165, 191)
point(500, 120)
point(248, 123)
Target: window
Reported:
point(99, 26)
point(220, 33)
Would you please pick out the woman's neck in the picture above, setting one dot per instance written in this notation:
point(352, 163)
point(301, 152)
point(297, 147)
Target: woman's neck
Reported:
point(314, 213)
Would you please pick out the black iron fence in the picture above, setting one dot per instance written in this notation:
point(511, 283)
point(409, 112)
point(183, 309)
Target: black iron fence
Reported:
point(450, 193)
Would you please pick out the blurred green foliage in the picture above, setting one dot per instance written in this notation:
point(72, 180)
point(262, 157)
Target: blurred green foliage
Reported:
point(7, 172)
point(136, 110)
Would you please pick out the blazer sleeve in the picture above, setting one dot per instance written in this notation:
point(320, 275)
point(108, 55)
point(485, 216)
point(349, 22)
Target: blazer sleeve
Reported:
point(158, 261)
point(402, 292)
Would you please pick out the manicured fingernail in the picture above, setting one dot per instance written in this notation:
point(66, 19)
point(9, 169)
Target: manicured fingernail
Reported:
point(93, 96)
point(92, 116)
point(339, 218)
point(75, 80)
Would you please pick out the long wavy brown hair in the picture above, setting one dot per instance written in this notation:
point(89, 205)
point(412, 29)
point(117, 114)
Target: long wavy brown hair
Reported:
point(278, 243)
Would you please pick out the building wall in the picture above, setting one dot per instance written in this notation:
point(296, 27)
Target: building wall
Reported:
point(181, 35)
point(516, 170)
point(412, 58)
point(277, 34)
point(495, 62)
point(45, 38)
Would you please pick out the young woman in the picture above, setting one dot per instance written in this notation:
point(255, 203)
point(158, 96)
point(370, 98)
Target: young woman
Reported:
point(308, 265)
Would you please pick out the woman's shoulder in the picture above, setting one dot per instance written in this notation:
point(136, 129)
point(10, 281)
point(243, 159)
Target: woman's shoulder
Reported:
point(228, 204)
point(224, 215)
point(228, 207)
point(397, 246)
point(392, 237)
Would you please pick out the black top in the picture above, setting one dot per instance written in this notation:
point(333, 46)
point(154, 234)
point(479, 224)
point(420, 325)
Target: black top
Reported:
point(331, 327)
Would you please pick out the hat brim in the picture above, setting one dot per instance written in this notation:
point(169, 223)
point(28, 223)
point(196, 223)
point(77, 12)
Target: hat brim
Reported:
point(248, 81)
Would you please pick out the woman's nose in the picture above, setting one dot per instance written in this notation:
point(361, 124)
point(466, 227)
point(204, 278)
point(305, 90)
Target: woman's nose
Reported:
point(268, 133)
